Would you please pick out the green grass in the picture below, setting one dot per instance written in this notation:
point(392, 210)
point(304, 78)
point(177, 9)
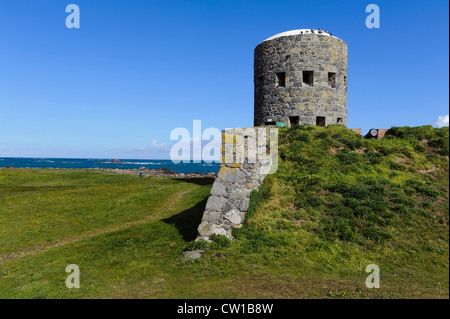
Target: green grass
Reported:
point(43, 206)
point(337, 204)
point(340, 202)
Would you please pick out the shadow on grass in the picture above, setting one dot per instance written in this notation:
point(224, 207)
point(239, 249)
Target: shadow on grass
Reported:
point(199, 181)
point(188, 221)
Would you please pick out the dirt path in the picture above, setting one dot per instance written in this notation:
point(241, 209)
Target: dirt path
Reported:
point(168, 206)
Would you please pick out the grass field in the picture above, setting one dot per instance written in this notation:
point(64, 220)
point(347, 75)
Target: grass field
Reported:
point(305, 236)
point(75, 213)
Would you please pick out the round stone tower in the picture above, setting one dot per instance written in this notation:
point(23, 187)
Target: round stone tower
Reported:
point(301, 78)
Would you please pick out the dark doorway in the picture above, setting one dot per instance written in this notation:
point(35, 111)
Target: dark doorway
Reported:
point(320, 120)
point(281, 77)
point(294, 120)
point(270, 123)
point(308, 78)
point(332, 80)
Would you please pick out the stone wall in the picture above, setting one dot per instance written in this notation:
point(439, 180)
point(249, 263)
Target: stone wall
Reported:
point(288, 56)
point(239, 174)
point(357, 130)
point(381, 133)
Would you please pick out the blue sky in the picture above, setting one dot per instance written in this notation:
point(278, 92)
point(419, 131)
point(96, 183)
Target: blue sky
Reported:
point(137, 69)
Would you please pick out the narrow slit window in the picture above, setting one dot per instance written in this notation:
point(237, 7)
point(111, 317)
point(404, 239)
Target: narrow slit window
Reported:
point(281, 78)
point(308, 78)
point(320, 120)
point(332, 79)
point(345, 82)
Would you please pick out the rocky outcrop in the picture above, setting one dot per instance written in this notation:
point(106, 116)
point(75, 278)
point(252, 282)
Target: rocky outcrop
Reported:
point(192, 255)
point(162, 172)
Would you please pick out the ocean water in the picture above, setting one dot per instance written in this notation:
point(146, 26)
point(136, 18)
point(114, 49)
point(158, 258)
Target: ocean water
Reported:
point(75, 163)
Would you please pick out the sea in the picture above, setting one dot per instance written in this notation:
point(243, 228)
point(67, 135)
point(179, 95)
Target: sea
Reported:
point(85, 163)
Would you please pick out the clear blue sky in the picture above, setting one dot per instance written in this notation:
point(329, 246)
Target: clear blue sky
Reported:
point(137, 69)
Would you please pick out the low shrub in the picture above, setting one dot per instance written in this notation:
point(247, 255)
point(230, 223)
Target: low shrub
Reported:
point(400, 209)
point(375, 158)
point(377, 235)
point(196, 245)
point(219, 241)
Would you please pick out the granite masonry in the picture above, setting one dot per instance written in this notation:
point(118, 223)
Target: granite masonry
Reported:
point(300, 77)
point(248, 155)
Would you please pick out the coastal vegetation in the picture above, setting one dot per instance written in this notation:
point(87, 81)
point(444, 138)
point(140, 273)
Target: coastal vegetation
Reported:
point(337, 203)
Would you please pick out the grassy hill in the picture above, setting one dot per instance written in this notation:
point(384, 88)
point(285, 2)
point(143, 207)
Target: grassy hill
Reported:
point(337, 204)
point(339, 187)
point(340, 202)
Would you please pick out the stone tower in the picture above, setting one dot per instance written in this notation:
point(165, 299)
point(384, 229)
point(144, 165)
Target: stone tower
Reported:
point(301, 78)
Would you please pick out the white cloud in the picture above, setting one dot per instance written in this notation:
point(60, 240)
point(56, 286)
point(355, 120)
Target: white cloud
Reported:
point(442, 121)
point(155, 144)
point(153, 151)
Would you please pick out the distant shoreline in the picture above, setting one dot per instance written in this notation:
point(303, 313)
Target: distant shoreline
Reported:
point(161, 172)
point(121, 164)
